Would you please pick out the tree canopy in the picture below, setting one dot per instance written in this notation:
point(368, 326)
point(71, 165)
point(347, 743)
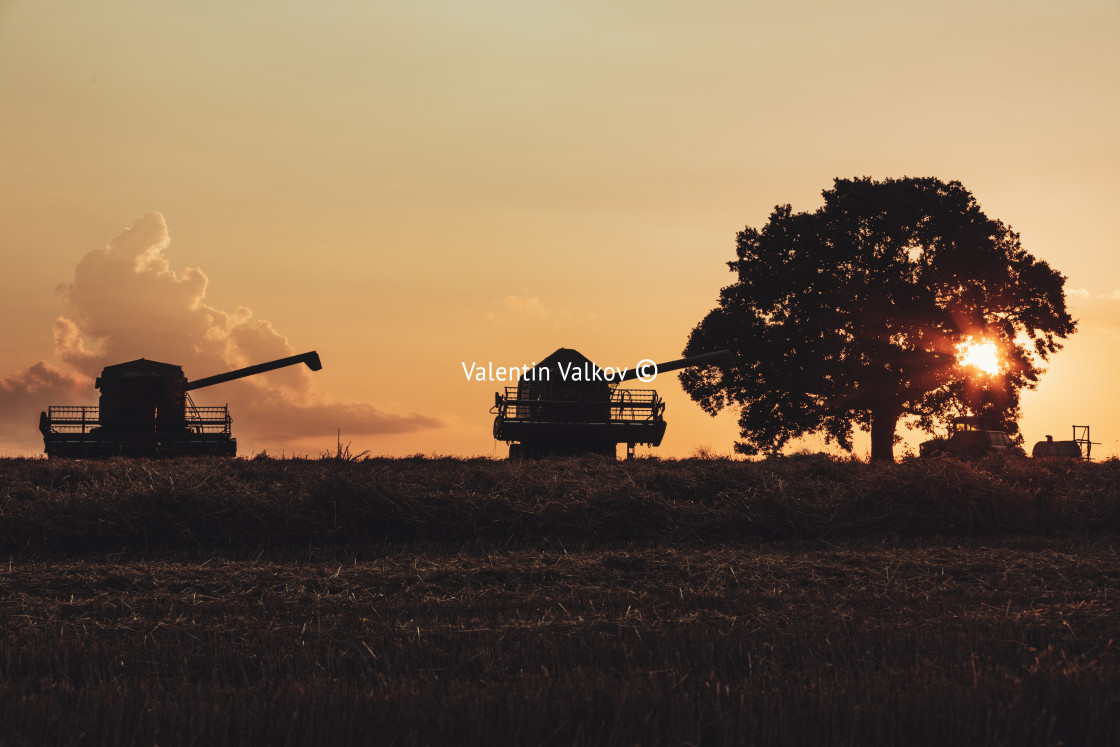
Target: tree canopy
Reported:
point(854, 316)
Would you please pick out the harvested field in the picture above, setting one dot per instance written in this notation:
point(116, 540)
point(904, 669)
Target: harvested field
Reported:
point(240, 508)
point(562, 610)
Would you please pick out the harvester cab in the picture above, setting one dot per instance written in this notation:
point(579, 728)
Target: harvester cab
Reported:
point(567, 405)
point(145, 410)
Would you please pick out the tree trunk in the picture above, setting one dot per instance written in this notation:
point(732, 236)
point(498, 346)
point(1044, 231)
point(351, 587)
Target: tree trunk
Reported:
point(883, 424)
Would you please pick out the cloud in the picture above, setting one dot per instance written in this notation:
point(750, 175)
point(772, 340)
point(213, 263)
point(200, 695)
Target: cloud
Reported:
point(26, 393)
point(515, 309)
point(326, 418)
point(527, 304)
point(126, 301)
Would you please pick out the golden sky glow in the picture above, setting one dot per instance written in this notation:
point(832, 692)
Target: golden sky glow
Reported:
point(409, 186)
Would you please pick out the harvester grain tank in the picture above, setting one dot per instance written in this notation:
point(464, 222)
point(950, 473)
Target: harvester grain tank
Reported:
point(567, 405)
point(145, 409)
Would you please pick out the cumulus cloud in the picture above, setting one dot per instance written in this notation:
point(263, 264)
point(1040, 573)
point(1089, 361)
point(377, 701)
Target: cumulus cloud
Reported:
point(127, 302)
point(26, 393)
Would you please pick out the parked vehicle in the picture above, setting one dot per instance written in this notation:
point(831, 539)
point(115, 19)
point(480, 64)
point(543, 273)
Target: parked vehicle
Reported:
point(973, 437)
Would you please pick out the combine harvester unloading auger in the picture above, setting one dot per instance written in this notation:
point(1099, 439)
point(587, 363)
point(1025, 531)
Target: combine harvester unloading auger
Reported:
point(145, 410)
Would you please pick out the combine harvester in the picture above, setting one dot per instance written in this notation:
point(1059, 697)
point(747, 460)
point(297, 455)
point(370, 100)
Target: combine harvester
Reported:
point(567, 405)
point(145, 410)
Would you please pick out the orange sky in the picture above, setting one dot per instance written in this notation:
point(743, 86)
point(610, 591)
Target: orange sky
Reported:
point(408, 186)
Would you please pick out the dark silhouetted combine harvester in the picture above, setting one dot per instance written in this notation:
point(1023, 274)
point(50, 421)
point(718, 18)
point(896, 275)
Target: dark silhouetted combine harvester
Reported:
point(145, 410)
point(567, 405)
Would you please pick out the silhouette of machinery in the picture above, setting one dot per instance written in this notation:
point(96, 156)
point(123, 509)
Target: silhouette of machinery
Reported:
point(972, 437)
point(145, 410)
point(1080, 447)
point(567, 405)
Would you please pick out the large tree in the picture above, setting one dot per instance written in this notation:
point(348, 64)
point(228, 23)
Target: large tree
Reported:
point(855, 315)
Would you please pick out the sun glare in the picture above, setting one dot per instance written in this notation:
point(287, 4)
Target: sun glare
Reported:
point(981, 355)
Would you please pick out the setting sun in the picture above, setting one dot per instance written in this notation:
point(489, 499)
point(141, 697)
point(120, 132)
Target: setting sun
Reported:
point(981, 355)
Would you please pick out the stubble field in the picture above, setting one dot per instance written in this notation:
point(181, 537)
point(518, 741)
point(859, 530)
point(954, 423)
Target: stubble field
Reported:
point(794, 601)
